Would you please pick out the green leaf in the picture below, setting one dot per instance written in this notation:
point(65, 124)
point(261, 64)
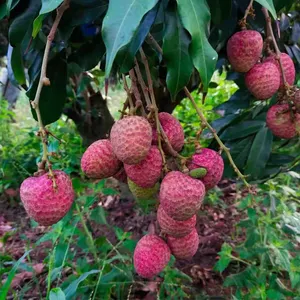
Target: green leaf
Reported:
point(4, 289)
point(259, 153)
point(72, 288)
point(247, 278)
point(120, 24)
point(195, 17)
point(53, 97)
point(49, 5)
point(37, 25)
point(98, 215)
point(3, 11)
point(57, 294)
point(176, 52)
point(17, 65)
point(220, 10)
point(224, 259)
point(269, 5)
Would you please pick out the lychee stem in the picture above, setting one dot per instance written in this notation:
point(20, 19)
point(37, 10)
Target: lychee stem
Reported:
point(129, 95)
point(249, 10)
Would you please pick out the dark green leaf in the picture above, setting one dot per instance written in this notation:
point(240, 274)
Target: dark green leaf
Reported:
point(259, 153)
point(119, 25)
point(17, 65)
point(57, 294)
point(220, 10)
point(53, 97)
point(195, 17)
point(176, 53)
point(268, 4)
point(49, 5)
point(223, 122)
point(247, 278)
point(98, 215)
point(224, 259)
point(252, 237)
point(37, 25)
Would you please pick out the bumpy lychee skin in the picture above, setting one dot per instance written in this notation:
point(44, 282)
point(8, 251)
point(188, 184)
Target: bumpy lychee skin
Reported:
point(288, 67)
point(131, 139)
point(141, 193)
point(147, 172)
point(212, 162)
point(151, 256)
point(244, 49)
point(172, 227)
point(263, 80)
point(185, 247)
point(42, 202)
point(180, 195)
point(280, 122)
point(99, 161)
point(172, 129)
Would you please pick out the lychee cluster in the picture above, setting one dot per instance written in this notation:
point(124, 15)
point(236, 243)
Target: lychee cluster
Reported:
point(263, 78)
point(131, 154)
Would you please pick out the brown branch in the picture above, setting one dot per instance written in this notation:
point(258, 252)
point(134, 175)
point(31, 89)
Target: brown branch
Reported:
point(248, 11)
point(129, 95)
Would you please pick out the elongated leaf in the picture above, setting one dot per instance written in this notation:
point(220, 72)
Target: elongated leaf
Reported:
point(176, 52)
point(195, 17)
point(72, 288)
point(17, 65)
point(259, 153)
point(49, 5)
point(120, 24)
point(269, 5)
point(37, 25)
point(57, 294)
point(4, 289)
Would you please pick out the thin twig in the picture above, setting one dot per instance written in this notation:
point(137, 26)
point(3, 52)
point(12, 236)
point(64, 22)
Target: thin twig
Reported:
point(129, 95)
point(249, 10)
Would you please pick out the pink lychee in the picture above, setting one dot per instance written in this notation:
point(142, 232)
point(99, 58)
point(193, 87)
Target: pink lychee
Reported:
point(151, 256)
point(263, 80)
point(180, 195)
point(244, 49)
point(147, 172)
point(185, 247)
point(131, 139)
point(44, 203)
point(212, 161)
point(99, 161)
point(172, 227)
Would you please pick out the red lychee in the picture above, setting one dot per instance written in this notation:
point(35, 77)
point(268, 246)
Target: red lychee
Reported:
point(99, 161)
point(288, 67)
point(212, 161)
point(244, 49)
point(44, 203)
point(263, 80)
point(279, 121)
point(172, 227)
point(147, 172)
point(131, 139)
point(180, 195)
point(151, 256)
point(185, 247)
point(172, 129)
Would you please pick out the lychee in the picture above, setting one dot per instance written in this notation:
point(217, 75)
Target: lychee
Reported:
point(213, 163)
point(288, 67)
point(43, 202)
point(151, 256)
point(244, 49)
point(172, 227)
point(180, 195)
point(141, 193)
point(263, 80)
point(172, 129)
point(147, 172)
point(185, 247)
point(279, 121)
point(131, 139)
point(99, 161)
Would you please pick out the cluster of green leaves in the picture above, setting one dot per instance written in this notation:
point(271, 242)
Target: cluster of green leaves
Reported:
point(267, 263)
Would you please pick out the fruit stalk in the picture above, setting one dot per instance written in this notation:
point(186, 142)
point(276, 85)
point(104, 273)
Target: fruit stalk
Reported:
point(131, 106)
point(44, 80)
point(249, 10)
point(271, 35)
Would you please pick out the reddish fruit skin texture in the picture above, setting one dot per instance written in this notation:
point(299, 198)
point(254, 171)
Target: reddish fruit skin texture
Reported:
point(213, 162)
point(151, 256)
point(281, 124)
point(131, 139)
point(297, 100)
point(180, 195)
point(99, 161)
point(288, 67)
point(172, 129)
point(172, 227)
point(185, 247)
point(244, 49)
point(42, 202)
point(263, 80)
point(148, 171)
